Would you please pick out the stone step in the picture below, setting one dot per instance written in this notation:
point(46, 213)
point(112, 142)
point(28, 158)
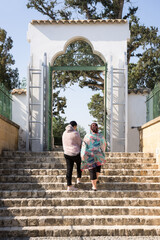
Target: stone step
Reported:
point(37, 154)
point(60, 153)
point(79, 220)
point(29, 160)
point(73, 231)
point(60, 165)
point(93, 238)
point(35, 202)
point(55, 172)
point(86, 186)
point(84, 179)
point(79, 211)
point(32, 165)
point(75, 194)
point(129, 154)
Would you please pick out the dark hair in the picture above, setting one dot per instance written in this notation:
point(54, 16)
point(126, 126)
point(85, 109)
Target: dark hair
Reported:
point(94, 127)
point(73, 123)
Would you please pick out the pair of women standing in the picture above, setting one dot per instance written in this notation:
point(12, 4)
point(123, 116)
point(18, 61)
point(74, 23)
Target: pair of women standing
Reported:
point(92, 151)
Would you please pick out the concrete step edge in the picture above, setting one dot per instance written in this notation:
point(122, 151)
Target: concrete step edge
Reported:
point(80, 198)
point(85, 183)
point(98, 227)
point(84, 217)
point(62, 157)
point(95, 237)
point(81, 207)
point(74, 170)
point(83, 176)
point(85, 191)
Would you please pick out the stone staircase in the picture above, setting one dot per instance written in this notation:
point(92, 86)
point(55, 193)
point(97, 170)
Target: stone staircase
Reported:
point(34, 201)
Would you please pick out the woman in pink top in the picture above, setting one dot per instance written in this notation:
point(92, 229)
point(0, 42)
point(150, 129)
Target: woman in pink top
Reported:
point(72, 146)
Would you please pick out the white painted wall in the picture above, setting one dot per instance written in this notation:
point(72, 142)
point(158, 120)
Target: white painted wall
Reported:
point(136, 118)
point(19, 116)
point(108, 40)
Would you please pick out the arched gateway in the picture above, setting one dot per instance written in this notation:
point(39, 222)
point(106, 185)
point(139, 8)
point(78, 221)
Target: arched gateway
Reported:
point(48, 40)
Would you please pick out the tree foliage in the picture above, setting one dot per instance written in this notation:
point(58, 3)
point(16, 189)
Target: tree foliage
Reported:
point(8, 76)
point(81, 131)
point(78, 53)
point(59, 104)
point(96, 108)
point(144, 73)
point(147, 71)
point(59, 125)
point(100, 9)
point(53, 9)
point(88, 9)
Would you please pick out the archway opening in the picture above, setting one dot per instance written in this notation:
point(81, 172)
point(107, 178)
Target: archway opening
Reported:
point(78, 66)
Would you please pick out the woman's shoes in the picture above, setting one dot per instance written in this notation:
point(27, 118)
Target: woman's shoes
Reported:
point(72, 188)
point(78, 181)
point(94, 189)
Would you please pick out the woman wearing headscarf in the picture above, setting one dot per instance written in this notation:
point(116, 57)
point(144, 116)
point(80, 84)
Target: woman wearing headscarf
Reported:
point(93, 153)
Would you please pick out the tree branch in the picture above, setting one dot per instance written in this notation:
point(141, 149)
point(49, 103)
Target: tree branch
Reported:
point(95, 85)
point(100, 79)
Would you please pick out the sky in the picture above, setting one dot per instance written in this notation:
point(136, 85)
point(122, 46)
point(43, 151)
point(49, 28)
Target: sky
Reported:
point(14, 19)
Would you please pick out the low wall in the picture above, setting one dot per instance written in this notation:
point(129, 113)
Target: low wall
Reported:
point(8, 134)
point(150, 137)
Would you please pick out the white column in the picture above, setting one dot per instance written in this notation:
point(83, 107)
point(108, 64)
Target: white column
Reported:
point(111, 112)
point(126, 102)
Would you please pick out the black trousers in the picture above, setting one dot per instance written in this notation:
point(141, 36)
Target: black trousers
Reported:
point(70, 160)
point(93, 172)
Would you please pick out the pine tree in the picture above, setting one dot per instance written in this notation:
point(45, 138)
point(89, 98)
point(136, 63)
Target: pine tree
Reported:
point(8, 76)
point(96, 109)
point(59, 104)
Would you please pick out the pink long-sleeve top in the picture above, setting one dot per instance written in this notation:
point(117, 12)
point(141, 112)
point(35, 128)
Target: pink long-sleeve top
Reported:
point(71, 141)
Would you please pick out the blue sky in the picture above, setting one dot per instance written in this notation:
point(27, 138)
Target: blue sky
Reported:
point(15, 17)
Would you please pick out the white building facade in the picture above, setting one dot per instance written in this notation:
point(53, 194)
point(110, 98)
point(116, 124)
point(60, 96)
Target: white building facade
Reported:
point(136, 116)
point(108, 39)
point(20, 115)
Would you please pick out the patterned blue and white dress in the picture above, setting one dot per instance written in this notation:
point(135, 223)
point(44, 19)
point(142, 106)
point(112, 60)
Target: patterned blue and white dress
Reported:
point(93, 151)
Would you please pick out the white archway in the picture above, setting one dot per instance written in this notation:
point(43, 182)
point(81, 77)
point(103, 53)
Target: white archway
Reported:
point(74, 39)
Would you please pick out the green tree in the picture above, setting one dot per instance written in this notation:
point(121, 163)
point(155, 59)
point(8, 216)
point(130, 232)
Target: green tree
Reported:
point(88, 9)
point(59, 122)
point(59, 125)
point(100, 9)
point(144, 45)
point(147, 71)
point(96, 109)
point(81, 131)
point(8, 76)
point(78, 53)
point(59, 104)
point(53, 9)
